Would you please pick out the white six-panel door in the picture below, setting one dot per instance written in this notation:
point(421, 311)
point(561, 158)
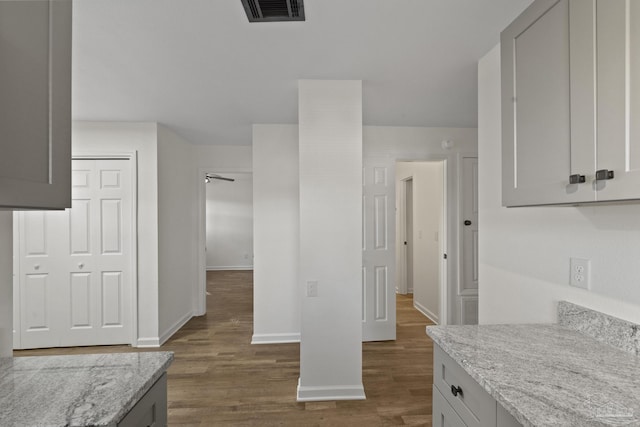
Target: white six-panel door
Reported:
point(75, 274)
point(378, 250)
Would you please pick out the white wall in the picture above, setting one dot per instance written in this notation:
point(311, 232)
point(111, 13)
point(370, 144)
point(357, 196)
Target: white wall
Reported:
point(524, 252)
point(6, 284)
point(330, 153)
point(223, 158)
point(230, 223)
point(276, 203)
point(177, 228)
point(110, 137)
point(427, 217)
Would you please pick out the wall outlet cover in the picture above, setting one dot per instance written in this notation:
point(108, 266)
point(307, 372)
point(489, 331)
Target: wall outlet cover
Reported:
point(580, 273)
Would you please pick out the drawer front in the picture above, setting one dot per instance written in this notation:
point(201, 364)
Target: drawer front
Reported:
point(474, 405)
point(443, 413)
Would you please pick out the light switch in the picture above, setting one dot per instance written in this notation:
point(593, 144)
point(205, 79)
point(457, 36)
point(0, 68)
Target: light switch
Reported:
point(312, 288)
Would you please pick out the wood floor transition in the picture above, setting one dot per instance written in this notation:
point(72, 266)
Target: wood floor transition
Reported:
point(219, 379)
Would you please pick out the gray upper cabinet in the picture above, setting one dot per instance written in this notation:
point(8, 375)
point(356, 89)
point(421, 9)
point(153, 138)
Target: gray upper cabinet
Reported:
point(35, 104)
point(569, 91)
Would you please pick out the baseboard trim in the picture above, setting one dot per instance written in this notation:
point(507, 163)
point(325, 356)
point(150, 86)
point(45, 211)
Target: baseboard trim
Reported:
point(428, 313)
point(323, 393)
point(275, 338)
point(148, 342)
point(175, 327)
point(231, 267)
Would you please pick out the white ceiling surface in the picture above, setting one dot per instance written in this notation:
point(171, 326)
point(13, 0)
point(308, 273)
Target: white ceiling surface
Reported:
point(199, 67)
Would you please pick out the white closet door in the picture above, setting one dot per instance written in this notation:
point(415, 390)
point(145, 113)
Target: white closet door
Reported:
point(76, 285)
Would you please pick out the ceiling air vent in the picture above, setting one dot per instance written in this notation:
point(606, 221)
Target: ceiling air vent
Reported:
point(274, 10)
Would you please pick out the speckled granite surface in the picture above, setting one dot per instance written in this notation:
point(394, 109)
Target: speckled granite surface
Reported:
point(548, 375)
point(82, 390)
point(602, 327)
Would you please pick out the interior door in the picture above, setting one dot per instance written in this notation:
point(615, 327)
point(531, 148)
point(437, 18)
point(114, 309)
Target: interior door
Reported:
point(378, 250)
point(468, 290)
point(76, 281)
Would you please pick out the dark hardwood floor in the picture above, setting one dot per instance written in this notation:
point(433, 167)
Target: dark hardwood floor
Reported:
point(219, 379)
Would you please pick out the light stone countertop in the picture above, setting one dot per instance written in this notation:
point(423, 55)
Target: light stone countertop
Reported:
point(547, 374)
point(79, 390)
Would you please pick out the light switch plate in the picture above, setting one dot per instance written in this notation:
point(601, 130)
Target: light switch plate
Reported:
point(312, 288)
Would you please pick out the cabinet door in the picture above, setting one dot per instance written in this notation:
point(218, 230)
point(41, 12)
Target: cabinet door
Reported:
point(35, 105)
point(536, 120)
point(618, 95)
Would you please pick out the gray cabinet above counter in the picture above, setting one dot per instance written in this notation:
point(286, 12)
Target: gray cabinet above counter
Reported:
point(570, 98)
point(35, 106)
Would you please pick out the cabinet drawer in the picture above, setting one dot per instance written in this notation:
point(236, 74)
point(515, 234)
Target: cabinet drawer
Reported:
point(443, 413)
point(474, 405)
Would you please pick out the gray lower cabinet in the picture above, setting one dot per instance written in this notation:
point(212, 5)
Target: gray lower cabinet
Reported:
point(458, 400)
point(151, 410)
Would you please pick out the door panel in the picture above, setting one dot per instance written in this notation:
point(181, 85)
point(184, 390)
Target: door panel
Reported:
point(378, 293)
point(80, 300)
point(618, 94)
point(79, 226)
point(84, 253)
point(112, 299)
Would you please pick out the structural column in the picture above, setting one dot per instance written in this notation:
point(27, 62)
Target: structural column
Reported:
point(330, 265)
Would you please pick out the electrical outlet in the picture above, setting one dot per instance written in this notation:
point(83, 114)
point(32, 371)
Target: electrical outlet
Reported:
point(580, 273)
point(312, 288)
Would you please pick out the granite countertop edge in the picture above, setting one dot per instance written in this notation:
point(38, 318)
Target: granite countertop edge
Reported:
point(484, 383)
point(81, 390)
point(469, 346)
point(145, 387)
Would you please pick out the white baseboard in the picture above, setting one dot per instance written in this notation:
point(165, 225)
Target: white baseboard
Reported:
point(275, 338)
point(148, 342)
point(323, 393)
point(424, 310)
point(175, 327)
point(230, 267)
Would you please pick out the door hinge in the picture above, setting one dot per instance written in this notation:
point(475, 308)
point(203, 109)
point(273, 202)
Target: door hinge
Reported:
point(445, 256)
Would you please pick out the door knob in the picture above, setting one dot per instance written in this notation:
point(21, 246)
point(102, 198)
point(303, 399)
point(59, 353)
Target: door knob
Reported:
point(36, 267)
point(81, 265)
point(467, 222)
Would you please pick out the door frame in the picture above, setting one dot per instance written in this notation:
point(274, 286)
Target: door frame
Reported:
point(132, 156)
point(448, 164)
point(200, 287)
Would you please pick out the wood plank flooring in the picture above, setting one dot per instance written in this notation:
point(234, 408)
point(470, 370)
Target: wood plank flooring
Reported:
point(219, 379)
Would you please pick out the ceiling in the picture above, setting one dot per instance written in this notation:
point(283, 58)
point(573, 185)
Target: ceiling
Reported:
point(199, 66)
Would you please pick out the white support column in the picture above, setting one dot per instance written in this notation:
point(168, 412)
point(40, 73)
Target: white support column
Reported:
point(330, 152)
